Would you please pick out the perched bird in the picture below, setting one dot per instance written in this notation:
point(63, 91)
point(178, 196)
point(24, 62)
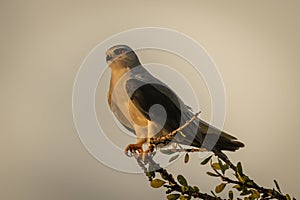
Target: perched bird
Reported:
point(149, 108)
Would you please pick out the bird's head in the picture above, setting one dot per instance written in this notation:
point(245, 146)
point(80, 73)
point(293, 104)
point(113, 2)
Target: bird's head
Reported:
point(122, 55)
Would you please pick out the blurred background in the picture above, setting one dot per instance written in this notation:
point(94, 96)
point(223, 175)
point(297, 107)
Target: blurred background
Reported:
point(255, 45)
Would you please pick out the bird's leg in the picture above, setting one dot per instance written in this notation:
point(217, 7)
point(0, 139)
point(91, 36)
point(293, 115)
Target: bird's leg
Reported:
point(141, 131)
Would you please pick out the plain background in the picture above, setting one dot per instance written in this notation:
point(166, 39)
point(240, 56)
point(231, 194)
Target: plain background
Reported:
point(255, 45)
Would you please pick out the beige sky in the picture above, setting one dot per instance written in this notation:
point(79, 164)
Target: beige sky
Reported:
point(255, 45)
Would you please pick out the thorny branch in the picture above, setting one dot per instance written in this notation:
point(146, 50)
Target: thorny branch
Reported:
point(173, 185)
point(175, 190)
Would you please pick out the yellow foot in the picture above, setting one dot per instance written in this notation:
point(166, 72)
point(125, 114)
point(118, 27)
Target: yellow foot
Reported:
point(137, 151)
point(133, 149)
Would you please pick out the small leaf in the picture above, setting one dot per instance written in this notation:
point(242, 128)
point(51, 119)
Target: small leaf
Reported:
point(173, 196)
point(157, 183)
point(196, 189)
point(240, 178)
point(186, 158)
point(212, 174)
point(206, 160)
point(184, 189)
point(246, 178)
point(191, 189)
point(182, 180)
point(238, 187)
point(223, 167)
point(182, 134)
point(250, 182)
point(245, 192)
point(277, 185)
point(167, 151)
point(255, 194)
point(185, 197)
point(151, 174)
point(174, 145)
point(174, 158)
point(220, 187)
point(216, 166)
point(230, 194)
point(288, 197)
point(239, 168)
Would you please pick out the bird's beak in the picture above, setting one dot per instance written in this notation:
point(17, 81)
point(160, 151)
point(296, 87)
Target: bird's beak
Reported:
point(108, 58)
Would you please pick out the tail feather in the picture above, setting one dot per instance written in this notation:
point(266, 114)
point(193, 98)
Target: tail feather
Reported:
point(212, 138)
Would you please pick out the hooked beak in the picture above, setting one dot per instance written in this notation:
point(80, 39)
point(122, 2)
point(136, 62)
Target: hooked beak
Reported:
point(108, 58)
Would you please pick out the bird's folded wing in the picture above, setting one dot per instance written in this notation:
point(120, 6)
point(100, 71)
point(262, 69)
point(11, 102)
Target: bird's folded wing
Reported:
point(150, 94)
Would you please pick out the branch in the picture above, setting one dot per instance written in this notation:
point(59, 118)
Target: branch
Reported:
point(184, 191)
point(247, 187)
point(154, 142)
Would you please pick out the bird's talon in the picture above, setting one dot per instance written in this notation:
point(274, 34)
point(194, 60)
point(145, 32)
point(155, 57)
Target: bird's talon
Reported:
point(128, 154)
point(133, 149)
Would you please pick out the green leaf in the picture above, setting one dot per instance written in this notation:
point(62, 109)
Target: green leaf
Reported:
point(238, 187)
point(246, 178)
point(173, 196)
point(223, 167)
point(212, 174)
point(186, 158)
point(216, 166)
point(174, 158)
point(250, 182)
point(288, 197)
point(185, 197)
point(182, 134)
point(255, 194)
point(239, 168)
point(191, 189)
point(196, 189)
point(184, 188)
point(151, 174)
point(245, 192)
point(206, 160)
point(230, 194)
point(182, 180)
point(220, 187)
point(167, 151)
point(157, 183)
point(240, 178)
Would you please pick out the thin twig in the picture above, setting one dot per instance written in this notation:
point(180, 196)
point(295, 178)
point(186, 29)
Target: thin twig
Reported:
point(154, 142)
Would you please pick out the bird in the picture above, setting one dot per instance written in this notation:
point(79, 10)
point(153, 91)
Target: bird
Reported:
point(147, 107)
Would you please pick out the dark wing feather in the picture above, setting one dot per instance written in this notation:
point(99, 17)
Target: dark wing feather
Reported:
point(150, 94)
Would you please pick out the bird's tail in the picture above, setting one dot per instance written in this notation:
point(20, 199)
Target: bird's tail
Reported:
point(213, 139)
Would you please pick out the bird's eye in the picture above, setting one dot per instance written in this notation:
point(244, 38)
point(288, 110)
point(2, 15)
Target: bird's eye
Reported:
point(119, 51)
